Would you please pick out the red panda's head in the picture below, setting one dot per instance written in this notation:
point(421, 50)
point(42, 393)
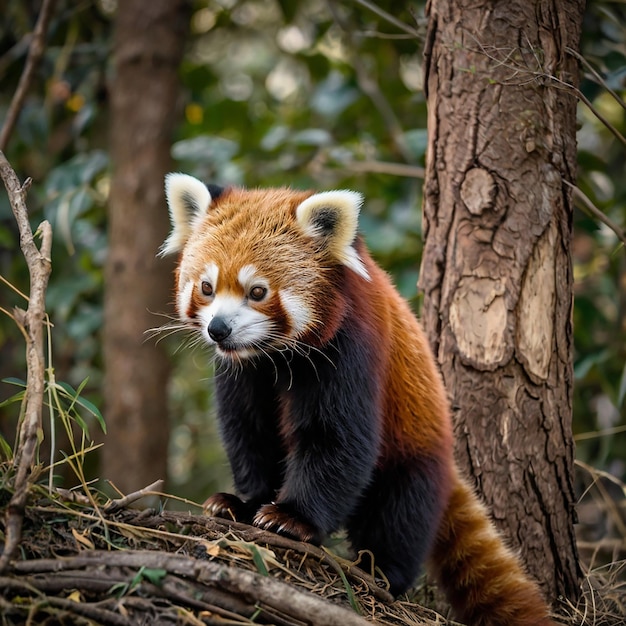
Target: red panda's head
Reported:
point(261, 270)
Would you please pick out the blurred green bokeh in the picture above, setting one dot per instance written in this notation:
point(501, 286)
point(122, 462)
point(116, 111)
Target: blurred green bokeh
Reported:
point(274, 93)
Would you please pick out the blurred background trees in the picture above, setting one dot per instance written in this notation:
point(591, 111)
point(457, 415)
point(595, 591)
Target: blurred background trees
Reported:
point(148, 47)
point(316, 94)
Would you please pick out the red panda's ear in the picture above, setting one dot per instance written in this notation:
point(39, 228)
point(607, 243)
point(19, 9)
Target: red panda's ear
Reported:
point(332, 217)
point(188, 200)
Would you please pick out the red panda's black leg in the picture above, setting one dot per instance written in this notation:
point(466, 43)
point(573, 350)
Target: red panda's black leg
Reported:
point(331, 419)
point(398, 519)
point(247, 408)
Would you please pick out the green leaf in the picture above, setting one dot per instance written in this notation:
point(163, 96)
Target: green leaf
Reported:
point(5, 448)
point(82, 424)
point(14, 381)
point(155, 576)
point(18, 397)
point(119, 590)
point(93, 409)
point(353, 603)
point(66, 388)
point(258, 560)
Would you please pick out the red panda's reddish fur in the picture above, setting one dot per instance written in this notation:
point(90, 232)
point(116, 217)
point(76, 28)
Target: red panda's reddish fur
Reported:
point(410, 430)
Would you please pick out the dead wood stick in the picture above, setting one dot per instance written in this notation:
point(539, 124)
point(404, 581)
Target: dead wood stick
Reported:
point(101, 615)
point(251, 587)
point(257, 535)
point(39, 268)
point(120, 503)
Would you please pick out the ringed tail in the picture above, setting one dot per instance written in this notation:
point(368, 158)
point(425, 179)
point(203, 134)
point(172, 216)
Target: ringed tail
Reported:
point(484, 581)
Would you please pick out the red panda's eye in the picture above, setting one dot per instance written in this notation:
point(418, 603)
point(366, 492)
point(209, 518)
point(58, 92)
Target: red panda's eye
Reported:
point(207, 288)
point(258, 293)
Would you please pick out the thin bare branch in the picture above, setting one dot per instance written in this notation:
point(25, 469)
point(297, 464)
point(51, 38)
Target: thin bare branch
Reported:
point(599, 79)
point(371, 89)
point(539, 74)
point(596, 212)
point(597, 113)
point(370, 6)
point(383, 167)
point(120, 503)
point(39, 268)
point(35, 52)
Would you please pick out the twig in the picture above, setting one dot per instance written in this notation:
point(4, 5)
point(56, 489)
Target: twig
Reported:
point(35, 52)
point(517, 68)
point(382, 167)
point(371, 89)
point(39, 268)
point(120, 503)
point(599, 79)
point(388, 17)
point(596, 212)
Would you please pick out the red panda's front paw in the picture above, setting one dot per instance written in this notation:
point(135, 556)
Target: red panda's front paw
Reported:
point(278, 519)
point(228, 506)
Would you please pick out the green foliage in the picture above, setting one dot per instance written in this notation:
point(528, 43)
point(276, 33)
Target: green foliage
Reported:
point(275, 92)
point(599, 258)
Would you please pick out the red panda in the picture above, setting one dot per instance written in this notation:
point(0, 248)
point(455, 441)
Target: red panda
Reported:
point(330, 405)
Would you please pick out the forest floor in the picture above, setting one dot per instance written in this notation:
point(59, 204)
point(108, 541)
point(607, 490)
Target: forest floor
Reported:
point(82, 562)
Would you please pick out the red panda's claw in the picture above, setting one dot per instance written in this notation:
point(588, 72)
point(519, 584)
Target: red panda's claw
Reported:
point(273, 518)
point(225, 505)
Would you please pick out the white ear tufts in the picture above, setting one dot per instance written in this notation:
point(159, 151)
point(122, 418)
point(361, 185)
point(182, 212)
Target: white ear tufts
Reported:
point(333, 217)
point(354, 262)
point(188, 200)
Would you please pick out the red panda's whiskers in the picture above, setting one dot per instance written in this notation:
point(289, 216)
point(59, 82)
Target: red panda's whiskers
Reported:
point(165, 331)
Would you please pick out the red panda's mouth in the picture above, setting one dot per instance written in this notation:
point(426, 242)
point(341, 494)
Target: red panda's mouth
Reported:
point(233, 351)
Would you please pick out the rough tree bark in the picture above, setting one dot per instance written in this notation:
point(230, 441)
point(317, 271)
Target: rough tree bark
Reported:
point(148, 47)
point(496, 270)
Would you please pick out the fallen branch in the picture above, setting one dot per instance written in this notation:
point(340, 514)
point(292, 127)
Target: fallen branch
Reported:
point(263, 537)
point(98, 613)
point(251, 587)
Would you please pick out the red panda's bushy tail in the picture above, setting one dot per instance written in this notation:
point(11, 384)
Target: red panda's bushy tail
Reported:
point(484, 581)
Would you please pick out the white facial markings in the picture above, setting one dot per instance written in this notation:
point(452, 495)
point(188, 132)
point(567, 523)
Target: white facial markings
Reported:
point(183, 299)
point(248, 326)
point(298, 311)
point(248, 278)
point(211, 273)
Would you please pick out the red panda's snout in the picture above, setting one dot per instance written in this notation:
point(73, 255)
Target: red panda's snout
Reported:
point(242, 313)
point(219, 329)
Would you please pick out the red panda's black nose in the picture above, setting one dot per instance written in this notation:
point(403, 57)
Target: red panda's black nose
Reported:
point(219, 329)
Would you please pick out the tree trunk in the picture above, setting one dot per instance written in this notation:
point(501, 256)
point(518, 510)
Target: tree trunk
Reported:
point(148, 47)
point(496, 270)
